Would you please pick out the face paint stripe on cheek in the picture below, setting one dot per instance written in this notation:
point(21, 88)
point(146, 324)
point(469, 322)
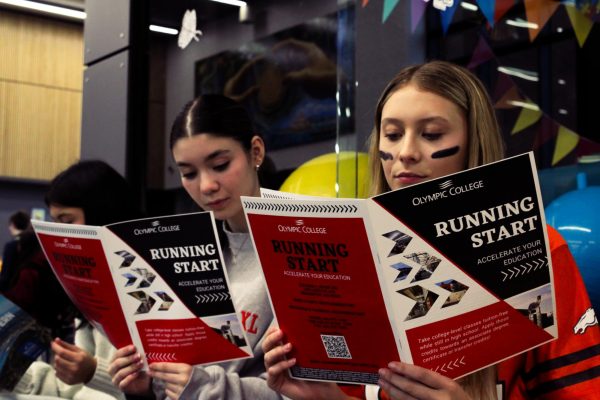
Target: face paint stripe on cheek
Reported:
point(385, 156)
point(445, 152)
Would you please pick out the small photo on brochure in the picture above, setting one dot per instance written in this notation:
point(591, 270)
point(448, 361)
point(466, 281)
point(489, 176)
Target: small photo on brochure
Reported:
point(428, 264)
point(457, 291)
point(167, 301)
point(535, 305)
point(146, 301)
point(402, 240)
point(127, 258)
point(403, 271)
point(424, 259)
point(131, 279)
point(227, 326)
point(423, 298)
point(147, 277)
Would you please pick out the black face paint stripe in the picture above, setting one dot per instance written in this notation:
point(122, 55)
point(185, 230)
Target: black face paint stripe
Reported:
point(446, 152)
point(385, 155)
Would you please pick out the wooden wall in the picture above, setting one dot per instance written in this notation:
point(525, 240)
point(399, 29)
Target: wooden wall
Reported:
point(41, 72)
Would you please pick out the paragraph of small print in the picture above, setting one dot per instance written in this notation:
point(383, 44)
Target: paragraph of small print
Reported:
point(160, 338)
point(448, 342)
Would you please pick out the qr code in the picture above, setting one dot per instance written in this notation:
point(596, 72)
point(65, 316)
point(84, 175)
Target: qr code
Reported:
point(336, 346)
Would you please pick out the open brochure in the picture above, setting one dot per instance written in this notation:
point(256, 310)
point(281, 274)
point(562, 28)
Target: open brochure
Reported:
point(453, 274)
point(22, 341)
point(159, 283)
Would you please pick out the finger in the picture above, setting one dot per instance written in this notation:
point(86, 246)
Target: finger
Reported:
point(277, 354)
point(169, 377)
point(123, 362)
point(280, 367)
point(419, 374)
point(122, 384)
point(71, 353)
point(66, 345)
point(123, 374)
point(393, 392)
point(177, 373)
point(273, 338)
point(171, 394)
point(401, 385)
point(124, 352)
point(174, 387)
point(169, 367)
point(61, 363)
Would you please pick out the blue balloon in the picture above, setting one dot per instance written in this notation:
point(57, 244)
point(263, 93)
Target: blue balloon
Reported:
point(575, 215)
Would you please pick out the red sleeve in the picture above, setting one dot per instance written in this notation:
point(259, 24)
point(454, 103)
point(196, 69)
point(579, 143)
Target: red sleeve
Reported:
point(568, 367)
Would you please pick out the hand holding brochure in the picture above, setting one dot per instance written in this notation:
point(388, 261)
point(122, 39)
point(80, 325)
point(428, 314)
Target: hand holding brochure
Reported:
point(453, 274)
point(159, 283)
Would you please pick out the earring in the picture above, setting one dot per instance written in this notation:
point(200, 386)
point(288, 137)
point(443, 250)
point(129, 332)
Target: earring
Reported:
point(257, 167)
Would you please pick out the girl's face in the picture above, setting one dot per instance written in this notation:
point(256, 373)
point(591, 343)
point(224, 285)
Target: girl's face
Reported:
point(216, 171)
point(67, 215)
point(422, 136)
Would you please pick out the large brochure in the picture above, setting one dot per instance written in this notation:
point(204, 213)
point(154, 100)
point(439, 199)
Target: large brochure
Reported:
point(453, 274)
point(22, 341)
point(159, 283)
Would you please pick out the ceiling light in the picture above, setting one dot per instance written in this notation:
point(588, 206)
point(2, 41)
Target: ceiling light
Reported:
point(163, 29)
point(519, 73)
point(469, 6)
point(574, 228)
point(523, 104)
point(46, 8)
point(521, 23)
point(232, 2)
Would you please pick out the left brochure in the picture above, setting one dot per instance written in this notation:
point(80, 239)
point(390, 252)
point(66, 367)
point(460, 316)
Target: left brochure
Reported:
point(22, 340)
point(159, 283)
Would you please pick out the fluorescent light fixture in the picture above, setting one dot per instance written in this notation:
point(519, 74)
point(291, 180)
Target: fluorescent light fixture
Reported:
point(469, 6)
point(46, 8)
point(523, 104)
point(162, 29)
point(237, 3)
point(574, 228)
point(519, 73)
point(521, 23)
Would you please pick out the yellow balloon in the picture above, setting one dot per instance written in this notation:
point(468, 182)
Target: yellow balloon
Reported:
point(319, 176)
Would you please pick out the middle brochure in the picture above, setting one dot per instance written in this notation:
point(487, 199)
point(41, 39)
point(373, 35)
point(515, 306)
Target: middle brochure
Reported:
point(452, 274)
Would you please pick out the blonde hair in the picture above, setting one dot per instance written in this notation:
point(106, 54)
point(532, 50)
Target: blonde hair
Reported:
point(461, 87)
point(485, 145)
point(481, 385)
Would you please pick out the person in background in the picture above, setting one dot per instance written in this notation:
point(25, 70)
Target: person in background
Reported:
point(218, 155)
point(17, 223)
point(432, 120)
point(88, 192)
